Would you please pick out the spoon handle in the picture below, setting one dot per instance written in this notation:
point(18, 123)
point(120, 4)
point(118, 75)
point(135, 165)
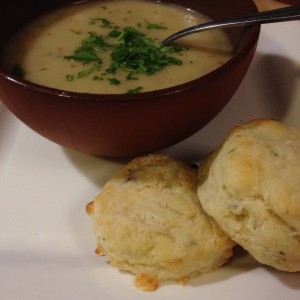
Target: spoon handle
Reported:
point(289, 13)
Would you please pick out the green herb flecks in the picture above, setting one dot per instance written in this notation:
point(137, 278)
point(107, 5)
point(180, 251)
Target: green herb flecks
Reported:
point(155, 26)
point(135, 91)
point(84, 55)
point(137, 54)
point(130, 76)
point(105, 23)
point(114, 81)
point(131, 51)
point(114, 33)
point(18, 71)
point(90, 49)
point(75, 31)
point(70, 77)
point(85, 72)
point(97, 77)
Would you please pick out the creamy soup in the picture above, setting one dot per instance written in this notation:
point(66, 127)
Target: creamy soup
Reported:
point(51, 51)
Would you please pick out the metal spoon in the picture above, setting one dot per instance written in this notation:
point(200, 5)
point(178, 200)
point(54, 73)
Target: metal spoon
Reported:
point(289, 13)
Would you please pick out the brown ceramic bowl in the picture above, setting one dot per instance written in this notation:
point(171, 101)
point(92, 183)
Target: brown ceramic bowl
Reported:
point(126, 125)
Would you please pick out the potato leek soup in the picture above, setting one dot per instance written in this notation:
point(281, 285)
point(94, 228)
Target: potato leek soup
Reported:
point(113, 47)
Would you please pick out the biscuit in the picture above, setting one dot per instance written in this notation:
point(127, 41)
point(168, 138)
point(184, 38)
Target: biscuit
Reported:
point(148, 220)
point(251, 187)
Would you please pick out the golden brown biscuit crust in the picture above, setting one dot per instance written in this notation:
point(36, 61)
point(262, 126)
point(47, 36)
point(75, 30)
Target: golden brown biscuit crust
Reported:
point(148, 220)
point(251, 187)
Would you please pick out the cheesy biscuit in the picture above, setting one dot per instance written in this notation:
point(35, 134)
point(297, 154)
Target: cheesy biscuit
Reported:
point(251, 187)
point(148, 221)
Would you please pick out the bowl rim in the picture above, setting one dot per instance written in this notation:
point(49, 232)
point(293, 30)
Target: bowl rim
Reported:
point(143, 96)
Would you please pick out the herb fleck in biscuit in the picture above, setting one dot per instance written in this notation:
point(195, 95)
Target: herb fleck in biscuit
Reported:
point(251, 187)
point(148, 221)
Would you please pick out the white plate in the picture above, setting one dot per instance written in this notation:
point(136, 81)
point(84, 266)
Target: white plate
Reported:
point(46, 242)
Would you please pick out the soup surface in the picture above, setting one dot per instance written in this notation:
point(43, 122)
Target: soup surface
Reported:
point(51, 51)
